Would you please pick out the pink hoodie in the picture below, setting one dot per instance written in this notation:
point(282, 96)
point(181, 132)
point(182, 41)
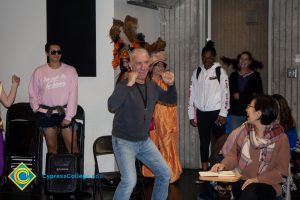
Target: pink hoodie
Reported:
point(54, 87)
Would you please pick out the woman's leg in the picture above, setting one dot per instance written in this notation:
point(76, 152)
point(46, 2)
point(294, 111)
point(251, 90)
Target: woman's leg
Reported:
point(51, 139)
point(204, 128)
point(67, 135)
point(49, 129)
point(237, 189)
point(258, 191)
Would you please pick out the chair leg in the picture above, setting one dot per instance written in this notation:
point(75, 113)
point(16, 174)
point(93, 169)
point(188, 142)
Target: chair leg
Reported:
point(100, 190)
point(94, 189)
point(97, 183)
point(143, 190)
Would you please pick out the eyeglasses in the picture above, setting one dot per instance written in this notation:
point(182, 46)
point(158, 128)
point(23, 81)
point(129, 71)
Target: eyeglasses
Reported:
point(57, 52)
point(250, 106)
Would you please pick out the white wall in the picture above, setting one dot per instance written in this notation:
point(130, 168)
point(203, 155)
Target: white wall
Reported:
point(148, 19)
point(22, 40)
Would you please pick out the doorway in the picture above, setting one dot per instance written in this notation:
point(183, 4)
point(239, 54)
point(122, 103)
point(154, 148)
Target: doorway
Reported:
point(241, 25)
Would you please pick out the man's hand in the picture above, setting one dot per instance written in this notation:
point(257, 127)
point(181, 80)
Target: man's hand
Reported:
point(132, 78)
point(193, 123)
point(248, 182)
point(168, 78)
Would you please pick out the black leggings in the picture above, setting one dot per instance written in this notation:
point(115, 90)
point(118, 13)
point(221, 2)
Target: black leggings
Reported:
point(254, 191)
point(206, 126)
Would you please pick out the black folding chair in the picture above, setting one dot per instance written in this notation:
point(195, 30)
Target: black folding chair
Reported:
point(23, 142)
point(110, 180)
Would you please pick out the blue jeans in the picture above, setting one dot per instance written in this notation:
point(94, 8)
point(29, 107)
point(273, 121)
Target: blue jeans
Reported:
point(236, 121)
point(126, 152)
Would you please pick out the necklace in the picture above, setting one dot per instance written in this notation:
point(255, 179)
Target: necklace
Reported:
point(144, 98)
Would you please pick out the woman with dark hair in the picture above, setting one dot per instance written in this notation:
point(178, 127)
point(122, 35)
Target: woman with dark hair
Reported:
point(260, 153)
point(53, 96)
point(244, 83)
point(209, 96)
point(286, 119)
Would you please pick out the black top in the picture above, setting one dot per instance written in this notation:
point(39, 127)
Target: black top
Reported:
point(132, 119)
point(252, 85)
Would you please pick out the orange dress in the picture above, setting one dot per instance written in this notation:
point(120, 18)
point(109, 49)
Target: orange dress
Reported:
point(165, 136)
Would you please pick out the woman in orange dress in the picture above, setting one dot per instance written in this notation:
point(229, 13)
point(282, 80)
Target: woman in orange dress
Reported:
point(164, 132)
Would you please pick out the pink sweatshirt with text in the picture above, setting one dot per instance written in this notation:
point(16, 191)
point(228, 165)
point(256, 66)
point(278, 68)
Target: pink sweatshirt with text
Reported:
point(54, 87)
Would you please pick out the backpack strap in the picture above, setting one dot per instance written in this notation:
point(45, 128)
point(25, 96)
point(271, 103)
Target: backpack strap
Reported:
point(198, 72)
point(218, 73)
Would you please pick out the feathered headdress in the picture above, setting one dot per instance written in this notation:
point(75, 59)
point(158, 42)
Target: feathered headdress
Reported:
point(125, 39)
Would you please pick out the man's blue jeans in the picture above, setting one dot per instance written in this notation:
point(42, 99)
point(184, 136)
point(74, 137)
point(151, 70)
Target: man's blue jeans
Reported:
point(126, 152)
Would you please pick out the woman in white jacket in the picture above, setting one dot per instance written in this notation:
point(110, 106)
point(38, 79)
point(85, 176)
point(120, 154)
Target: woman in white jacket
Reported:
point(209, 95)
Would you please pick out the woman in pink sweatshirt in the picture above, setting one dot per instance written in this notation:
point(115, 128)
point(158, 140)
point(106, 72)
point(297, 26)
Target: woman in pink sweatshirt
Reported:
point(53, 95)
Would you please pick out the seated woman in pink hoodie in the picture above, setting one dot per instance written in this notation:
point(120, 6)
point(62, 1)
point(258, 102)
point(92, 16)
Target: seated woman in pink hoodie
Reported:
point(53, 94)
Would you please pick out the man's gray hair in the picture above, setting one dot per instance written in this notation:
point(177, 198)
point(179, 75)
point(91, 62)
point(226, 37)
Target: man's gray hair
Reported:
point(134, 52)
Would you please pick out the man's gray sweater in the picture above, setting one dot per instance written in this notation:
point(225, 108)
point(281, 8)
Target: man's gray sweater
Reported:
point(131, 120)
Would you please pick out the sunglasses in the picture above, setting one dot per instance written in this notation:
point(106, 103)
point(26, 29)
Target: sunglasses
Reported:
point(57, 52)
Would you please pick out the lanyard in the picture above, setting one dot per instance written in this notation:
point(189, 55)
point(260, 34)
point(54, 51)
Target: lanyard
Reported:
point(143, 97)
